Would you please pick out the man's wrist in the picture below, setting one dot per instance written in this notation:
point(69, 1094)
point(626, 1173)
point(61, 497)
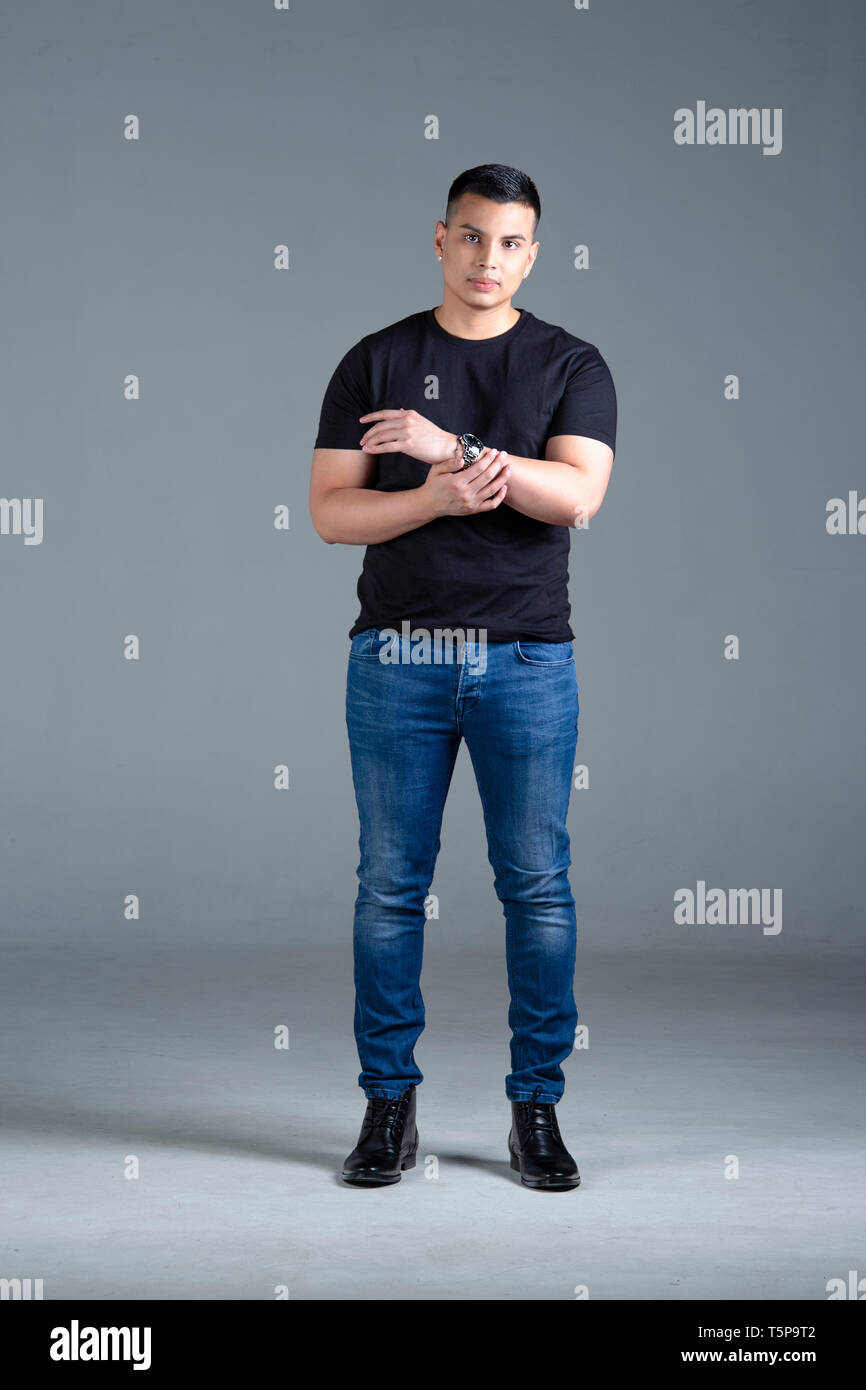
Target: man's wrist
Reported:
point(450, 457)
point(423, 507)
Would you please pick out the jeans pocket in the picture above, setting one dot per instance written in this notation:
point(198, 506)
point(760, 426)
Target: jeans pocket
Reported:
point(544, 653)
point(360, 645)
point(367, 645)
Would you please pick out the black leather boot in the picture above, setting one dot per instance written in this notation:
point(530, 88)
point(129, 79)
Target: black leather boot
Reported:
point(535, 1147)
point(387, 1144)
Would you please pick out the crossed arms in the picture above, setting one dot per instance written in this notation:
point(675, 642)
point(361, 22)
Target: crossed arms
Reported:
point(564, 488)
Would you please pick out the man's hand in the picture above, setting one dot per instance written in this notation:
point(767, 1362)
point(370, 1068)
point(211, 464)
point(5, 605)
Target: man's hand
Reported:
point(452, 490)
point(407, 432)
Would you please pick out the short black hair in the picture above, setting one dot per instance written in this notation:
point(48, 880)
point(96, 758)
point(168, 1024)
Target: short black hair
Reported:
point(498, 182)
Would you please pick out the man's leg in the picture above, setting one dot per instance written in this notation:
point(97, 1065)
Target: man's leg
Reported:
point(403, 742)
point(521, 732)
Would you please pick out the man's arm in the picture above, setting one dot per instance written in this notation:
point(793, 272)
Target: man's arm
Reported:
point(567, 486)
point(346, 508)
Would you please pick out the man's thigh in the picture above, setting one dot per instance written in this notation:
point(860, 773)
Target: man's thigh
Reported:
point(403, 741)
point(521, 731)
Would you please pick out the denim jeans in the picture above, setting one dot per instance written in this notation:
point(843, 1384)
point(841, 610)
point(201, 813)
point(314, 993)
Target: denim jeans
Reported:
point(516, 705)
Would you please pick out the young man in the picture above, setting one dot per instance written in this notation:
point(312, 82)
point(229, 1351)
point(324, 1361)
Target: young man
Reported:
point(466, 539)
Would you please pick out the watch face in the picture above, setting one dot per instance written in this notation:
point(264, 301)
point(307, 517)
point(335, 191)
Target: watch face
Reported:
point(472, 447)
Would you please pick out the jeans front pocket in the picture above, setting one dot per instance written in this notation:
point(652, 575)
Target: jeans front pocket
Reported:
point(544, 653)
point(367, 645)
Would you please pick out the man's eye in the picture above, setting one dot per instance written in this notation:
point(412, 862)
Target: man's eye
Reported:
point(469, 235)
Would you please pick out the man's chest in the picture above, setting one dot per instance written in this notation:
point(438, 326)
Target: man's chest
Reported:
point(504, 399)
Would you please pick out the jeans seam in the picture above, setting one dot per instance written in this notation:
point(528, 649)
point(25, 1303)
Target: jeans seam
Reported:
point(518, 1058)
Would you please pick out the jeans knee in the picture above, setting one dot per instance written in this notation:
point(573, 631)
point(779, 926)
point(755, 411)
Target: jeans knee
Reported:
point(538, 888)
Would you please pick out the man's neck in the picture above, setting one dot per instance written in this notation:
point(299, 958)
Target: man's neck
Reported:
point(466, 322)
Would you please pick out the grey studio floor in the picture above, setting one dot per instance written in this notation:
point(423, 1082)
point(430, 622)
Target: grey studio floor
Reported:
point(162, 1049)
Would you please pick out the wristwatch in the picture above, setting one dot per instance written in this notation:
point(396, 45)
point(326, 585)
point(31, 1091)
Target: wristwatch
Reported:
point(472, 448)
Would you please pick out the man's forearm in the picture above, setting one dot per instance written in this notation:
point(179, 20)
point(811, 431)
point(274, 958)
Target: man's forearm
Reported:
point(366, 516)
point(559, 493)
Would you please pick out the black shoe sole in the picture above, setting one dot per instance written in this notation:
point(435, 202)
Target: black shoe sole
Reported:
point(362, 1179)
point(543, 1184)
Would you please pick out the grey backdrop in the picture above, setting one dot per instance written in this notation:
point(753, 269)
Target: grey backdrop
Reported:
point(154, 777)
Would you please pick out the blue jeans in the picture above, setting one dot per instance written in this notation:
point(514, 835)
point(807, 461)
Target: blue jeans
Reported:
point(516, 704)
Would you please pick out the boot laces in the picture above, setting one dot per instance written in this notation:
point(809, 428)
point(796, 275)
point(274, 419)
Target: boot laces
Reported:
point(535, 1118)
point(385, 1110)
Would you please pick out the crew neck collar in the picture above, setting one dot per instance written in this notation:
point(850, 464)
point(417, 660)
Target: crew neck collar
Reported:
point(509, 333)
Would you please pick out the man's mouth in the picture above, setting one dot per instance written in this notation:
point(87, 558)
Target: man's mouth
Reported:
point(483, 284)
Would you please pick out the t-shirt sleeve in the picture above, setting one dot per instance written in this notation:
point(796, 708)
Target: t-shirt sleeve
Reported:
point(588, 404)
point(347, 396)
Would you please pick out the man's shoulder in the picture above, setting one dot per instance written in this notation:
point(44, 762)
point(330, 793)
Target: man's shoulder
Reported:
point(558, 338)
point(366, 355)
point(410, 325)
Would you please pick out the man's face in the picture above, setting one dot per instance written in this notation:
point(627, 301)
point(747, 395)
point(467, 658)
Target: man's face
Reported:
point(485, 249)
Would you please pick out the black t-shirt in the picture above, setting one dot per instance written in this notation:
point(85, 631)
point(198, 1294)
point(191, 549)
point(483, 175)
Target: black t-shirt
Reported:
point(498, 570)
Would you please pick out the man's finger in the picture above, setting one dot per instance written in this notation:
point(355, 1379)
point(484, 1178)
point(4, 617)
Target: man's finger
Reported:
point(483, 473)
point(475, 469)
point(380, 432)
point(382, 415)
point(493, 479)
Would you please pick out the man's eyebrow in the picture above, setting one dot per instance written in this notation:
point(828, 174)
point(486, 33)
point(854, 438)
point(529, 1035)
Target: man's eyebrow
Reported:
point(512, 236)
